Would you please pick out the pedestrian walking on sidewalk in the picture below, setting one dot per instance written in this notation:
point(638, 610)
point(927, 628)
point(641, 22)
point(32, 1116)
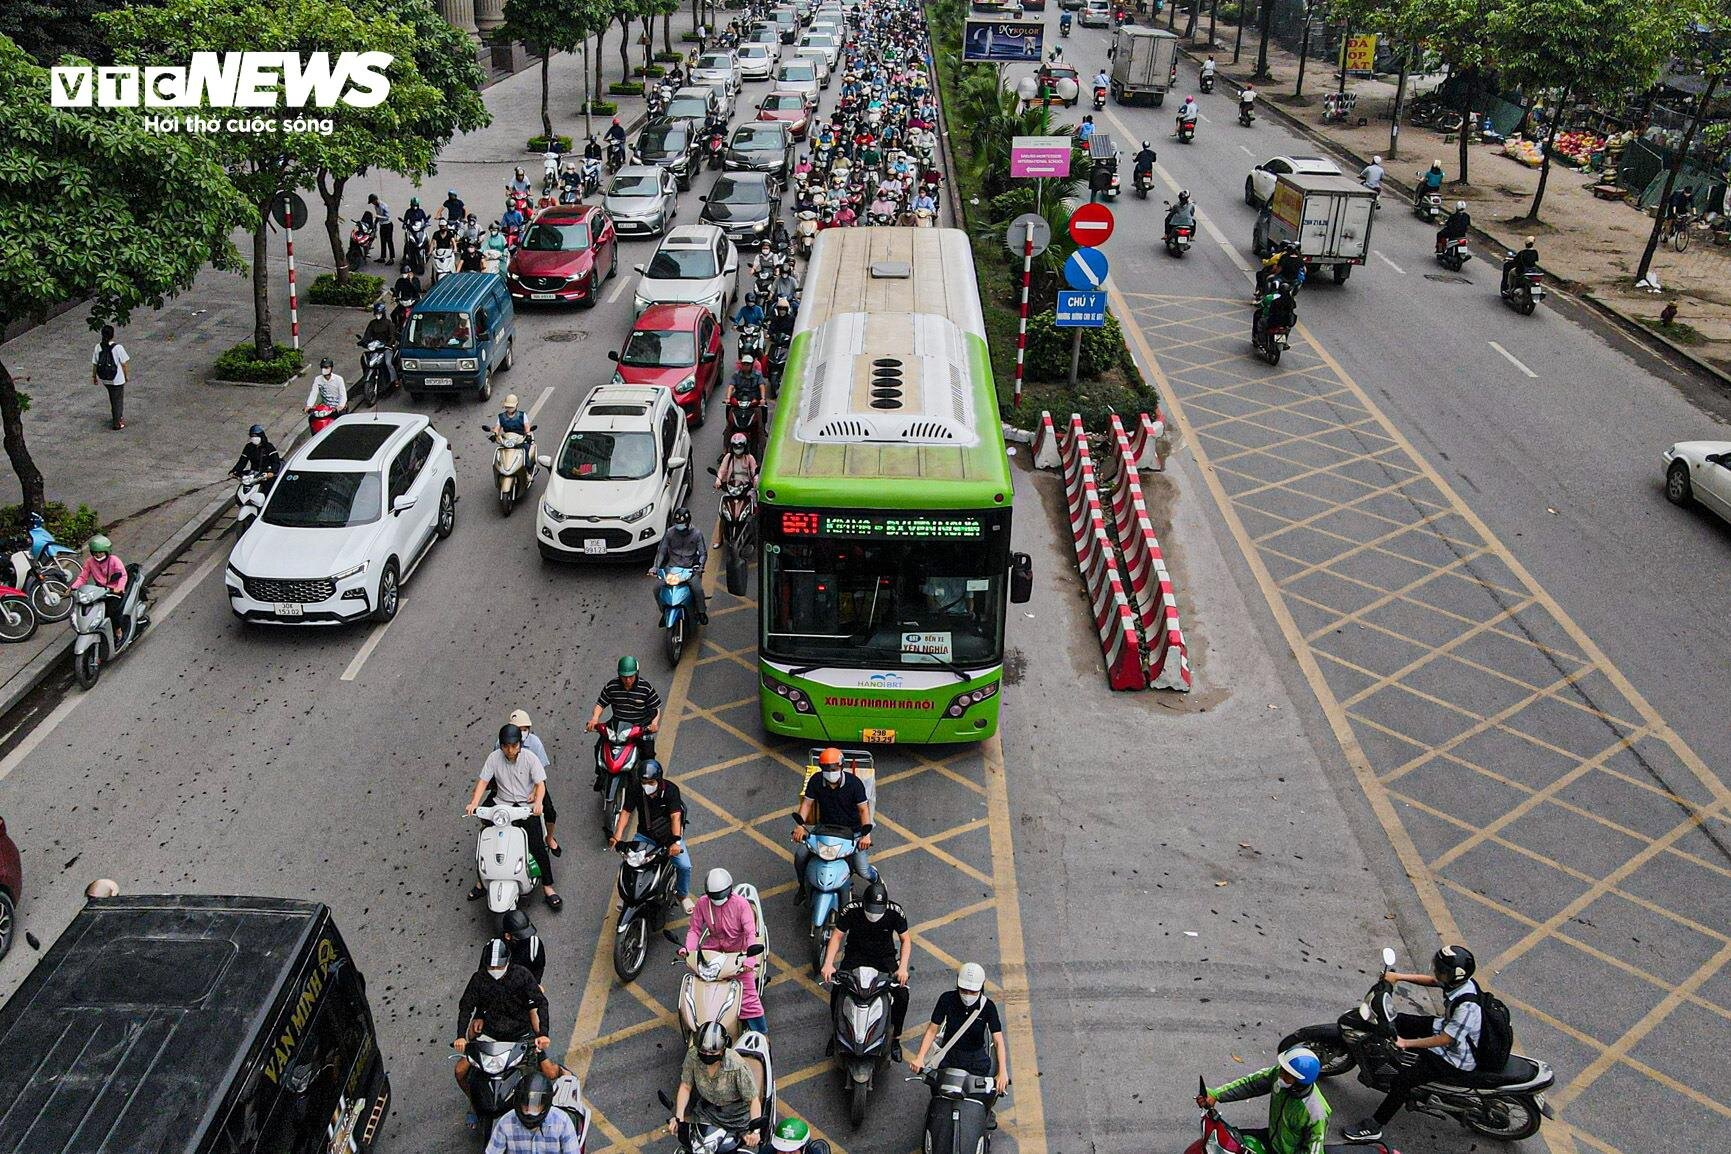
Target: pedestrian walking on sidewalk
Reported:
point(108, 368)
point(387, 229)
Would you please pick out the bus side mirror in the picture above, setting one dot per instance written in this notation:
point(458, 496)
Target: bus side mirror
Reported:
point(1021, 578)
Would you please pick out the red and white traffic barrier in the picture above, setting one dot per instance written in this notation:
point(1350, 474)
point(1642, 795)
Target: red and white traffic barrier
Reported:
point(1145, 440)
point(1114, 618)
point(1047, 455)
point(1144, 570)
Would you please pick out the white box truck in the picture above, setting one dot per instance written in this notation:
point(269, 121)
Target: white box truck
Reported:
point(1144, 64)
point(1329, 217)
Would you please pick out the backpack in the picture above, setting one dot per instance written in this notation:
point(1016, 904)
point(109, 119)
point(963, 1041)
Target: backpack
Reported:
point(1496, 1033)
point(107, 368)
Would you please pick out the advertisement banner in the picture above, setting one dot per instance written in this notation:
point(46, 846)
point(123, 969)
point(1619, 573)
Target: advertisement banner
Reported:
point(1040, 156)
point(987, 40)
point(1360, 53)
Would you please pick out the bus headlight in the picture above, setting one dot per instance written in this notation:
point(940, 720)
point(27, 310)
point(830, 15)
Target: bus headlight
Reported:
point(794, 697)
point(962, 702)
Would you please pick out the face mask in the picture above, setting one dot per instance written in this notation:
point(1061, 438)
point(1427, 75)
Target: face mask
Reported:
point(832, 776)
point(969, 998)
point(255, 440)
point(871, 917)
point(328, 374)
point(498, 975)
point(652, 788)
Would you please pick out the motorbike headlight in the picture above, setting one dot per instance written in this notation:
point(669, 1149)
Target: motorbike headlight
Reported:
point(355, 571)
point(632, 518)
point(830, 852)
point(467, 365)
point(550, 512)
point(636, 857)
point(494, 1063)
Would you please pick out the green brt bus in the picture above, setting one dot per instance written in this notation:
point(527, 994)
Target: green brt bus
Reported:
point(885, 502)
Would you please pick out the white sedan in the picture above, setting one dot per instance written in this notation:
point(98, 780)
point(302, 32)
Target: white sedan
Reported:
point(718, 68)
point(798, 76)
point(758, 61)
point(353, 513)
point(1259, 185)
point(695, 264)
point(1700, 471)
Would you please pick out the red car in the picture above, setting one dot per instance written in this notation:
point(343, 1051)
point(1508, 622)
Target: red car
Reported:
point(11, 889)
point(565, 254)
point(678, 346)
point(788, 107)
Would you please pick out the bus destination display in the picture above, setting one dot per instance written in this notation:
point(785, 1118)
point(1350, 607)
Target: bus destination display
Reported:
point(888, 526)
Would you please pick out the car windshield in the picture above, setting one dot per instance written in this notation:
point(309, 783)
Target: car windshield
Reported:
point(820, 40)
point(797, 72)
point(739, 191)
point(548, 237)
point(784, 102)
point(689, 107)
point(891, 603)
point(759, 136)
point(439, 331)
point(591, 455)
point(641, 184)
point(683, 264)
point(714, 60)
point(660, 349)
point(318, 500)
point(759, 46)
point(663, 138)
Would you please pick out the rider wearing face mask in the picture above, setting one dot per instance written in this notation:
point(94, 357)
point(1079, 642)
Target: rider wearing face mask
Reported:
point(723, 1085)
point(660, 813)
point(834, 797)
point(876, 932)
point(966, 1015)
point(724, 920)
point(259, 456)
point(535, 1126)
point(503, 1001)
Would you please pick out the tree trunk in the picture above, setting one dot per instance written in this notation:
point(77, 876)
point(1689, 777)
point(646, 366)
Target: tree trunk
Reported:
point(600, 43)
point(1190, 21)
point(1303, 54)
point(332, 195)
point(261, 335)
point(1399, 100)
point(624, 48)
point(1213, 21)
point(667, 32)
point(1545, 164)
point(1266, 23)
point(12, 416)
point(1671, 173)
point(546, 81)
point(1238, 40)
point(1345, 43)
point(696, 15)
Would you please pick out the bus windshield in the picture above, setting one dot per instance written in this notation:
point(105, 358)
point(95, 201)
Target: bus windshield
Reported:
point(894, 604)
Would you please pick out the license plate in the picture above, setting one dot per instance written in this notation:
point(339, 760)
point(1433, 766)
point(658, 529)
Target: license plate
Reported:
point(290, 610)
point(878, 736)
point(594, 545)
point(540, 296)
point(438, 382)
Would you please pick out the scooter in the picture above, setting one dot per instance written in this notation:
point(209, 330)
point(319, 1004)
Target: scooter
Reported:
point(320, 416)
point(249, 497)
point(444, 262)
point(828, 880)
point(738, 527)
point(746, 417)
point(615, 155)
point(1187, 130)
point(1099, 97)
point(1207, 82)
point(805, 232)
point(958, 1120)
point(751, 343)
point(1506, 1104)
point(646, 877)
point(44, 547)
point(497, 1067)
point(43, 584)
point(1220, 1138)
point(376, 364)
point(1269, 341)
point(778, 353)
point(1246, 115)
point(513, 466)
point(1144, 183)
point(713, 987)
point(1522, 291)
point(861, 1021)
point(1178, 239)
point(97, 643)
point(715, 148)
point(1454, 253)
point(702, 1134)
point(18, 619)
point(1064, 24)
point(415, 246)
point(673, 598)
point(617, 749)
point(360, 245)
point(502, 858)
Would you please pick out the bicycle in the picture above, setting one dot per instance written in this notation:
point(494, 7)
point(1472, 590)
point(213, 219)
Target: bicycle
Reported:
point(1675, 230)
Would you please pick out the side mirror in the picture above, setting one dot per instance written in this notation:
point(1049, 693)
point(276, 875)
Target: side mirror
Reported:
point(544, 461)
point(665, 1100)
point(673, 937)
point(1388, 957)
point(532, 428)
point(713, 472)
point(1021, 578)
point(612, 354)
point(754, 950)
point(403, 504)
point(637, 268)
point(676, 462)
point(703, 196)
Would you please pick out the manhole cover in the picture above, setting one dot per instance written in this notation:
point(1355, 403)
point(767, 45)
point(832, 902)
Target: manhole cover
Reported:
point(1447, 277)
point(567, 337)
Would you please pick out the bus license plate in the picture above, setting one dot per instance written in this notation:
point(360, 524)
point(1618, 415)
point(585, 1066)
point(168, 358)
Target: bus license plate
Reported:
point(594, 545)
point(290, 610)
point(438, 382)
point(878, 736)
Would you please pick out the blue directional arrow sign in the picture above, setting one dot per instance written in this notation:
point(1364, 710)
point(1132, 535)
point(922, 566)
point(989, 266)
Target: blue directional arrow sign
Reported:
point(1086, 269)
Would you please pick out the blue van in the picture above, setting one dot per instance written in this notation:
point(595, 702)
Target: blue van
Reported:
point(459, 335)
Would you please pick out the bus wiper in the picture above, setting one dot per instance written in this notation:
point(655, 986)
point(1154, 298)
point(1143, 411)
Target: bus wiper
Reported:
point(961, 674)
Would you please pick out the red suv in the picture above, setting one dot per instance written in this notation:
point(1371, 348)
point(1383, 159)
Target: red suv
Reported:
point(678, 346)
point(11, 889)
point(565, 254)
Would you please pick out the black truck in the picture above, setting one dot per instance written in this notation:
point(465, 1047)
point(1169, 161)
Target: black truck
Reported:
point(192, 1025)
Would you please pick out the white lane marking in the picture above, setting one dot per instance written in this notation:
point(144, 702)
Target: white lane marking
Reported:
point(372, 643)
point(1245, 151)
point(618, 291)
point(1388, 262)
point(1510, 357)
point(62, 711)
point(539, 401)
point(1207, 224)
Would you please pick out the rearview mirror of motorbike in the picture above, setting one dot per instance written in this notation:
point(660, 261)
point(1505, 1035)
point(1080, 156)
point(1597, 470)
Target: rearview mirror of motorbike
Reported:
point(673, 937)
point(1388, 958)
point(661, 1096)
point(712, 471)
point(754, 949)
point(544, 461)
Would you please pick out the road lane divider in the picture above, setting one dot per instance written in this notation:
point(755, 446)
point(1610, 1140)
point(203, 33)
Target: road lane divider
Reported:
point(1512, 359)
point(1098, 562)
point(1388, 262)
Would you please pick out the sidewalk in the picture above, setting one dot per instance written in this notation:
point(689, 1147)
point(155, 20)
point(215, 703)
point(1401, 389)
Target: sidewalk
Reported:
point(170, 463)
point(1593, 245)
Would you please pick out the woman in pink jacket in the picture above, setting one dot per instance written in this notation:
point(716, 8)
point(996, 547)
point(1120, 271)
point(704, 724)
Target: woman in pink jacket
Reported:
point(731, 925)
point(103, 568)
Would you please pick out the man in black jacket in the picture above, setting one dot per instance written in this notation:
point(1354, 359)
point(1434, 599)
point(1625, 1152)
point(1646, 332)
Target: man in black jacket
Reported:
point(503, 1001)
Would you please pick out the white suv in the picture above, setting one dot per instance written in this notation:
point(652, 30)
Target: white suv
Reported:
point(354, 511)
point(619, 473)
point(695, 264)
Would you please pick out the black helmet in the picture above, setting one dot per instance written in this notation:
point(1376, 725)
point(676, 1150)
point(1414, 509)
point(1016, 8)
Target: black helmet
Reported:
point(876, 899)
point(496, 954)
point(533, 1099)
point(327, 363)
point(649, 770)
point(682, 518)
point(1453, 965)
point(750, 298)
point(517, 924)
point(379, 309)
point(510, 735)
point(255, 431)
point(712, 1040)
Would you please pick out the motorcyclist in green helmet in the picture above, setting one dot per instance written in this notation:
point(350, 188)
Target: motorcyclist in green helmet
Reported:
point(794, 1137)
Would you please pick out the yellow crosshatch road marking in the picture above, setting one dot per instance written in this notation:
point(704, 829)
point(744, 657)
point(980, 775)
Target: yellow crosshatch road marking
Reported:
point(1522, 780)
point(943, 823)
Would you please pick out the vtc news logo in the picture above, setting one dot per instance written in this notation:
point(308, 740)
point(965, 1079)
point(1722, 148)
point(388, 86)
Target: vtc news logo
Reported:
point(229, 80)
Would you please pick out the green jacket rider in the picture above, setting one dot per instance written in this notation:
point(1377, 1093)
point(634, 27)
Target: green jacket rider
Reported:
point(1297, 1112)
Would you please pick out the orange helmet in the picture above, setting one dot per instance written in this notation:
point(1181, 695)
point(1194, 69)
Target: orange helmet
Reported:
point(830, 756)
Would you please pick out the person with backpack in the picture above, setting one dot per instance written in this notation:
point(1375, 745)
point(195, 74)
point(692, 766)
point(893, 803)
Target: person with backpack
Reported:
point(108, 369)
point(1472, 1034)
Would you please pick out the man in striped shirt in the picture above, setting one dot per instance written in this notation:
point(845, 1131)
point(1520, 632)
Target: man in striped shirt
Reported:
point(633, 702)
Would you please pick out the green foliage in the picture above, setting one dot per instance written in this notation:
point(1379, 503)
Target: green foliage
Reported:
point(1049, 349)
point(358, 292)
point(1095, 401)
point(1595, 48)
point(669, 57)
point(603, 107)
point(651, 70)
point(446, 61)
point(242, 363)
point(71, 527)
point(625, 88)
point(538, 143)
point(50, 29)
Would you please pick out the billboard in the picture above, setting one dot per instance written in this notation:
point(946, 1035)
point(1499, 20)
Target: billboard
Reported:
point(988, 40)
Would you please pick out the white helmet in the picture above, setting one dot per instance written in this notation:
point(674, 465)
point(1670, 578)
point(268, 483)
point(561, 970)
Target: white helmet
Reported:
point(971, 977)
point(510, 400)
point(1376, 160)
point(718, 885)
point(1460, 206)
point(520, 718)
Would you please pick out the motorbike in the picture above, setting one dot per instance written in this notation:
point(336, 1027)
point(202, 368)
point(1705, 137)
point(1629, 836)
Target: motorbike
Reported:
point(415, 246)
point(828, 880)
point(1268, 340)
point(746, 417)
point(751, 340)
point(444, 262)
point(1207, 82)
point(861, 1041)
point(1246, 115)
point(958, 1118)
point(1099, 97)
point(618, 747)
point(615, 155)
point(1064, 24)
point(249, 495)
point(98, 641)
point(1220, 1138)
point(715, 148)
point(1454, 253)
point(1506, 1104)
point(738, 530)
point(591, 176)
point(513, 466)
point(360, 244)
point(805, 232)
point(778, 351)
point(502, 858)
point(376, 358)
point(44, 546)
point(321, 415)
point(42, 583)
point(1522, 291)
point(702, 1134)
point(496, 1068)
point(713, 987)
point(646, 877)
point(1187, 130)
point(674, 601)
point(1144, 183)
point(1178, 236)
point(18, 619)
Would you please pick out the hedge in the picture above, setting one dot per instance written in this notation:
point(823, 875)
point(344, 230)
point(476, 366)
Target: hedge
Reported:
point(602, 107)
point(538, 143)
point(669, 57)
point(360, 292)
point(625, 88)
point(1049, 349)
point(241, 363)
point(71, 527)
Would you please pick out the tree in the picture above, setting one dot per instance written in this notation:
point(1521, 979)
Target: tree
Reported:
point(1264, 21)
point(1706, 42)
point(624, 12)
point(152, 210)
point(549, 26)
point(50, 29)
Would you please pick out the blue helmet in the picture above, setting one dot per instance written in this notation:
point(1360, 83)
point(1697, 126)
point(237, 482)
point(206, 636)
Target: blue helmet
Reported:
point(1301, 1062)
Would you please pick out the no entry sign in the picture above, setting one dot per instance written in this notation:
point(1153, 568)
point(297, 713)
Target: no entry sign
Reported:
point(1091, 225)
